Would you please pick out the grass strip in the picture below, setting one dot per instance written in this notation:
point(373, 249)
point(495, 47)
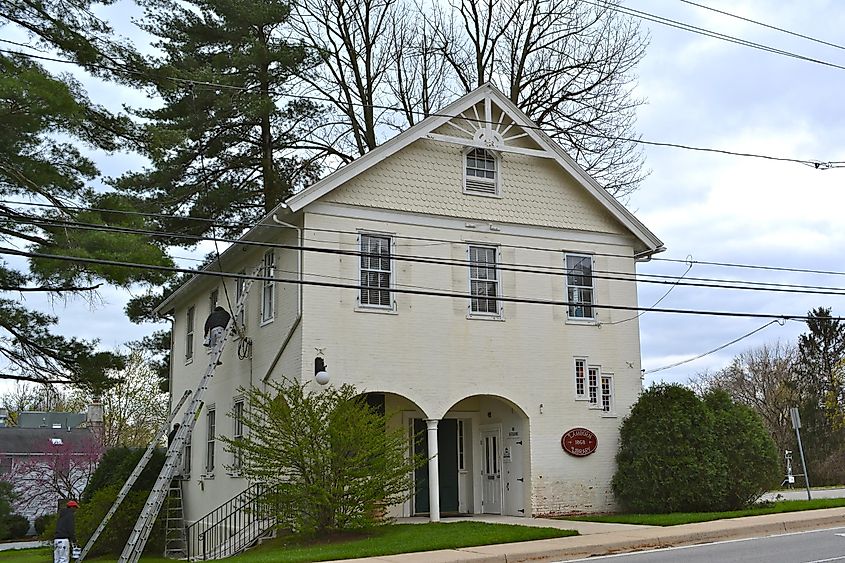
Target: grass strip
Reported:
point(677, 518)
point(387, 540)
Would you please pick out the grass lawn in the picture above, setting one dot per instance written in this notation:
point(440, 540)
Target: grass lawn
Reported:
point(398, 538)
point(689, 517)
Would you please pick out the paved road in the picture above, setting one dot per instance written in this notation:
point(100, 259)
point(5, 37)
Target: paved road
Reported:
point(817, 546)
point(22, 545)
point(801, 494)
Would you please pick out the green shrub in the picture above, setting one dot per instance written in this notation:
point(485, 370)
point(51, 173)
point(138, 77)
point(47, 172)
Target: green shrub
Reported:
point(680, 453)
point(669, 460)
point(97, 498)
point(116, 466)
point(43, 522)
point(750, 452)
point(17, 526)
point(113, 538)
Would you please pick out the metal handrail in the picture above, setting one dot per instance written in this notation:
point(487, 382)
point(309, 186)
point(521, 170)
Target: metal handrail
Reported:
point(234, 525)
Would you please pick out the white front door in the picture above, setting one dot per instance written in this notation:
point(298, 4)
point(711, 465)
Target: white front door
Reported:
point(514, 474)
point(491, 471)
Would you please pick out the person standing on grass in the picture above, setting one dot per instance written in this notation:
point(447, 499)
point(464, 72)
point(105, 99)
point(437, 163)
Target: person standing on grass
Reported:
point(65, 535)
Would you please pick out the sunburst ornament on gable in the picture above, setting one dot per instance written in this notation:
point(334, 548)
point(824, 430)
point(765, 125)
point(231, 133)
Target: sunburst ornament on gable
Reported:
point(486, 130)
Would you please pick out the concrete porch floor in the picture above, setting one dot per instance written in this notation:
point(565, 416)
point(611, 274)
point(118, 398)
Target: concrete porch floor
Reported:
point(583, 528)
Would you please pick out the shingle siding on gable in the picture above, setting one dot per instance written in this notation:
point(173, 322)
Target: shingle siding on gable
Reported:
point(427, 177)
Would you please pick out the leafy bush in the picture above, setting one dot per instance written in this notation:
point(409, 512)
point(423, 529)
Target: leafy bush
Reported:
point(668, 460)
point(43, 522)
point(16, 527)
point(116, 466)
point(7, 497)
point(680, 453)
point(113, 538)
point(97, 498)
point(750, 451)
point(332, 458)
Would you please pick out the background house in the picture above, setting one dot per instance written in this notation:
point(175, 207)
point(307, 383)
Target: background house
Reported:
point(49, 457)
point(468, 276)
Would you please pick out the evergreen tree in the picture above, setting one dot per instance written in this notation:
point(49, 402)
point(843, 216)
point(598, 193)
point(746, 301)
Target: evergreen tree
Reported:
point(819, 368)
point(225, 145)
point(48, 125)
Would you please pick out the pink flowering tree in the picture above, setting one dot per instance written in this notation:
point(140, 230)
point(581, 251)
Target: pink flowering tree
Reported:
point(54, 469)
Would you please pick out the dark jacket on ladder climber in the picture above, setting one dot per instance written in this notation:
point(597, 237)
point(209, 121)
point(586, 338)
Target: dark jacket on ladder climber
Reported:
point(215, 325)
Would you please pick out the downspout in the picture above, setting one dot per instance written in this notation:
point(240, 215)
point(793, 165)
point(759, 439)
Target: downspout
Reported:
point(299, 296)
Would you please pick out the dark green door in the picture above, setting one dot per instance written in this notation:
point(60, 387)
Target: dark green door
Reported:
point(447, 449)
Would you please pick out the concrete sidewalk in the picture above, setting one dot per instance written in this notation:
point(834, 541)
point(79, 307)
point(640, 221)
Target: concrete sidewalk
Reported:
point(604, 539)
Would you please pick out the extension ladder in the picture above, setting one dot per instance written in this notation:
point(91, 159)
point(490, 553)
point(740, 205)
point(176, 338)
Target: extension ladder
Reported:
point(142, 463)
point(141, 532)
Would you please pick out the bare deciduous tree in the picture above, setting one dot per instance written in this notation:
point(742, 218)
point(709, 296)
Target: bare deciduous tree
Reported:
point(384, 64)
point(763, 379)
point(135, 408)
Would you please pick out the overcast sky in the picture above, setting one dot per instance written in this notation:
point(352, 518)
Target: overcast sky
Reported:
point(708, 93)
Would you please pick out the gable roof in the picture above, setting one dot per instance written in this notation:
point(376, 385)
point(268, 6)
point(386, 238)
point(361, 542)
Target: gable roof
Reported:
point(22, 441)
point(486, 93)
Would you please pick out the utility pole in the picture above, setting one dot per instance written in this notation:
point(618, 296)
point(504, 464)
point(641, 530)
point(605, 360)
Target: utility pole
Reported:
point(796, 423)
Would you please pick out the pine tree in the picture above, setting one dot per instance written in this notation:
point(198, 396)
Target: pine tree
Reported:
point(48, 123)
point(820, 380)
point(226, 144)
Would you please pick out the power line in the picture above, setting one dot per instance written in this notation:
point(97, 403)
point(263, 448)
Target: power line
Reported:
point(814, 163)
point(709, 33)
point(714, 350)
point(769, 26)
point(687, 260)
point(502, 266)
point(448, 294)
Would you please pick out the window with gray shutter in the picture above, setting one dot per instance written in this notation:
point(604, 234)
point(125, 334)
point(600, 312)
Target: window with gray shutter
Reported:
point(375, 271)
point(483, 280)
point(579, 285)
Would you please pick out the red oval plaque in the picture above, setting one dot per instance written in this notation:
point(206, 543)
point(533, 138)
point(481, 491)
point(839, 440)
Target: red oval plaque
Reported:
point(579, 442)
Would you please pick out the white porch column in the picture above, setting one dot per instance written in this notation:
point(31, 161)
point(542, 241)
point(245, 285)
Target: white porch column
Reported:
point(433, 472)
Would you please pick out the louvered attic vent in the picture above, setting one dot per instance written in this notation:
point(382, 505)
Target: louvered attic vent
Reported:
point(481, 186)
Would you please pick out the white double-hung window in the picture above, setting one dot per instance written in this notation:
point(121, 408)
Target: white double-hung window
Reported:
point(580, 378)
point(376, 271)
point(579, 285)
point(484, 281)
point(189, 334)
point(268, 287)
point(607, 393)
point(211, 431)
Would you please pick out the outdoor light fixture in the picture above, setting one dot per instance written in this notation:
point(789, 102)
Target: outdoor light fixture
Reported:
point(320, 373)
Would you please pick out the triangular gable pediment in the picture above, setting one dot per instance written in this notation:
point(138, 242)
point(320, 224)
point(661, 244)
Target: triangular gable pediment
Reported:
point(485, 118)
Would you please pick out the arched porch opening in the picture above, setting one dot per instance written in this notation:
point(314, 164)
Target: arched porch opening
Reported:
point(404, 413)
point(484, 457)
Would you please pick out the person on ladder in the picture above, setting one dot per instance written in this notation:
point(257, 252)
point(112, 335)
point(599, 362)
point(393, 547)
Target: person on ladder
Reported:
point(65, 535)
point(215, 326)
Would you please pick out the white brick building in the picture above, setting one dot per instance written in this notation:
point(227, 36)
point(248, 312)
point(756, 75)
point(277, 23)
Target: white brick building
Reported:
point(473, 204)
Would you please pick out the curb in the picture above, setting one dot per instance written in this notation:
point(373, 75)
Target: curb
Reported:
point(576, 547)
